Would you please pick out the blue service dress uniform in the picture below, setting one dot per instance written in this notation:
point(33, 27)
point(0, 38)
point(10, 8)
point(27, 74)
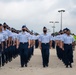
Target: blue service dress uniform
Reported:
point(45, 46)
point(68, 50)
point(36, 41)
point(59, 51)
point(23, 38)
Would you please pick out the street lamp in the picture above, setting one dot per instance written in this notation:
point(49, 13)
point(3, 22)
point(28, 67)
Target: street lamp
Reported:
point(54, 25)
point(60, 11)
point(49, 30)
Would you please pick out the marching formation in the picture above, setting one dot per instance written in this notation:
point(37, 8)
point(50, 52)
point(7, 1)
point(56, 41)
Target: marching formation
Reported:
point(23, 42)
point(8, 48)
point(64, 46)
point(16, 42)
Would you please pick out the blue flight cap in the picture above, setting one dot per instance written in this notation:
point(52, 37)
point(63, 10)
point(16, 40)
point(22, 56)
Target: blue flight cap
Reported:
point(60, 31)
point(24, 26)
point(44, 27)
point(67, 29)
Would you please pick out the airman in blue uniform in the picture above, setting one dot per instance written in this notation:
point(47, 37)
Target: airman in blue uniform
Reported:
point(24, 44)
point(45, 42)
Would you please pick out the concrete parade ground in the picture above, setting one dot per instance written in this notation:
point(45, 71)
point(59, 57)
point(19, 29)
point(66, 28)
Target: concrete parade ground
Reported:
point(56, 67)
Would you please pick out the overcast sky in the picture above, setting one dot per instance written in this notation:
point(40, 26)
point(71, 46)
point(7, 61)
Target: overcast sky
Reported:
point(37, 13)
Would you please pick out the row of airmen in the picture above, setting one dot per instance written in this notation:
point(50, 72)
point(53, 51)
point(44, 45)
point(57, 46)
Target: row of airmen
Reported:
point(64, 46)
point(7, 45)
point(12, 44)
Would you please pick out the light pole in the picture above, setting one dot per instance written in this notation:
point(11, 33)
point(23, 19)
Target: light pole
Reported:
point(61, 11)
point(54, 25)
point(49, 30)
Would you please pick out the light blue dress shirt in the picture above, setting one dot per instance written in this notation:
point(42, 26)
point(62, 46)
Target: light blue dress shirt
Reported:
point(45, 38)
point(68, 39)
point(23, 37)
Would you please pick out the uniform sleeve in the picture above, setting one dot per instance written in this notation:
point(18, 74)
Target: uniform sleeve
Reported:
point(14, 36)
point(55, 38)
point(62, 38)
point(9, 34)
point(18, 36)
point(34, 37)
point(51, 38)
point(39, 37)
point(5, 37)
point(28, 36)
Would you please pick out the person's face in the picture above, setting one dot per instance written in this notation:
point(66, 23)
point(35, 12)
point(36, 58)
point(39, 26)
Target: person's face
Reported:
point(4, 26)
point(23, 29)
point(31, 33)
point(64, 31)
point(68, 32)
point(44, 30)
point(61, 33)
point(1, 28)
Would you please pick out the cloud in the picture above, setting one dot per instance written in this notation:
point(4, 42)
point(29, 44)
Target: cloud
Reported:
point(73, 12)
point(37, 13)
point(73, 1)
point(6, 1)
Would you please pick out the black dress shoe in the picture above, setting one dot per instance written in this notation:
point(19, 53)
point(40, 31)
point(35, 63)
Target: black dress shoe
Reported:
point(25, 65)
point(70, 65)
point(44, 66)
point(6, 62)
point(22, 66)
point(2, 64)
point(66, 66)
